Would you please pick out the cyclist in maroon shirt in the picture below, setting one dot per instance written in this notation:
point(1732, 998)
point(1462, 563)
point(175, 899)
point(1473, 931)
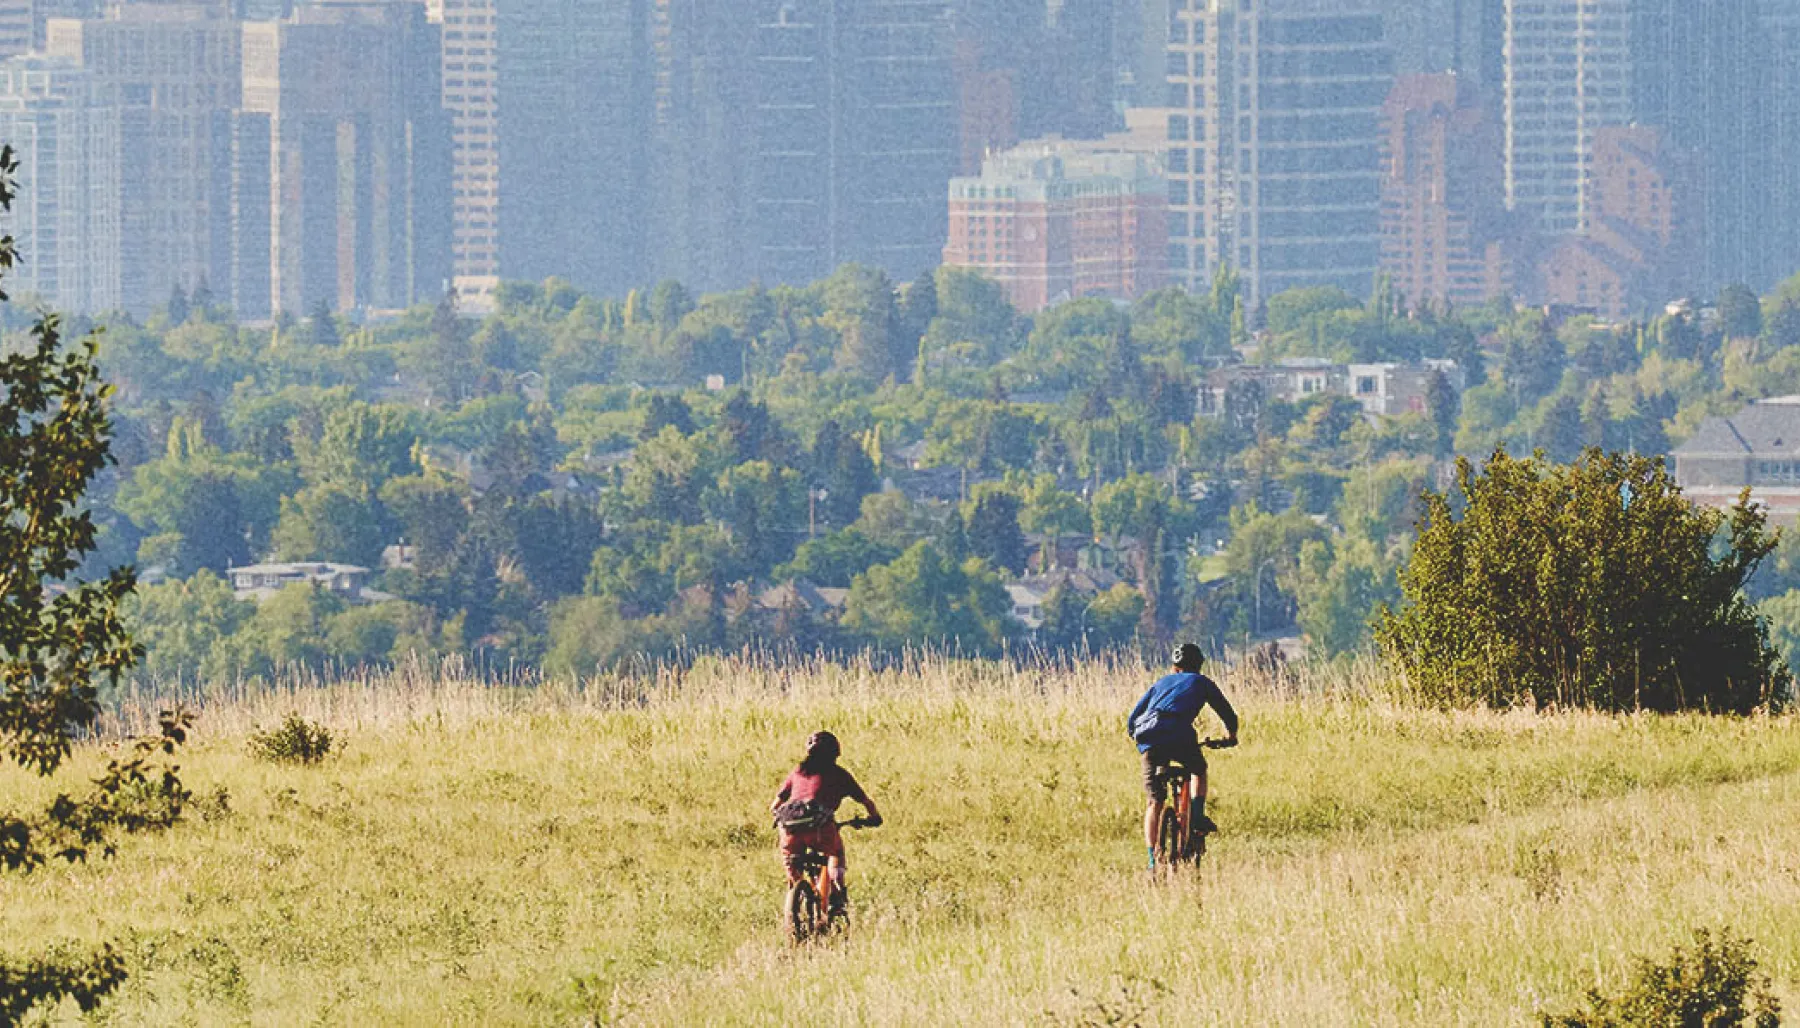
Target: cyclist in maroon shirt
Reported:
point(806, 811)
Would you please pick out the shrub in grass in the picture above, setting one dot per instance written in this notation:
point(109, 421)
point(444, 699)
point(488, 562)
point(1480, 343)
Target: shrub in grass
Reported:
point(294, 741)
point(1592, 584)
point(1712, 984)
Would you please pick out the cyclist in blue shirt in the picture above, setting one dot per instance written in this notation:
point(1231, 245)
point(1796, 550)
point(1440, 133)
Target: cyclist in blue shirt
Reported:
point(1162, 725)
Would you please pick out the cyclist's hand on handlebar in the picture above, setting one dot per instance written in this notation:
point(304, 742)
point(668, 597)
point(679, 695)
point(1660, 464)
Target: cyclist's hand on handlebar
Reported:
point(1222, 744)
point(872, 821)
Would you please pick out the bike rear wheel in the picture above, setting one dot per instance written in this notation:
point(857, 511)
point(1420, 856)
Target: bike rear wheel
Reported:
point(1168, 837)
point(802, 909)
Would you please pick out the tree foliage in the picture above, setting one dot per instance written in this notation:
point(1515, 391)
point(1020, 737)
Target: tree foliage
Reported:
point(1591, 584)
point(60, 638)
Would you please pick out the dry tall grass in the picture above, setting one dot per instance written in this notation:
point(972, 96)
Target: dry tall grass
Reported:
point(545, 853)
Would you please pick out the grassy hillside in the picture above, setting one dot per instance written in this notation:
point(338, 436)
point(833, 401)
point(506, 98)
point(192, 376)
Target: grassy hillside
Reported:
point(484, 857)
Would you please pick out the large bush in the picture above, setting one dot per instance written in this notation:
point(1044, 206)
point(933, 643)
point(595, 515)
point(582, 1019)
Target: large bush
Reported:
point(1594, 584)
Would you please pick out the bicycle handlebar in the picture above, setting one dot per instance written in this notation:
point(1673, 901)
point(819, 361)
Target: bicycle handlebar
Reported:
point(1218, 744)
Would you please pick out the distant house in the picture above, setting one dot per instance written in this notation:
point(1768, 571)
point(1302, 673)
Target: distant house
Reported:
point(399, 557)
point(1030, 593)
point(1027, 604)
point(1383, 389)
point(911, 456)
point(821, 603)
point(260, 581)
point(1395, 388)
point(1758, 447)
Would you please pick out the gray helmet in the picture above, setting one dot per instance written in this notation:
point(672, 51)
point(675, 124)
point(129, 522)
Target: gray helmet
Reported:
point(1188, 657)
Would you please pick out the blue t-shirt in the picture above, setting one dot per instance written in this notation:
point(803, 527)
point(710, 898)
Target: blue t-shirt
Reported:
point(1176, 700)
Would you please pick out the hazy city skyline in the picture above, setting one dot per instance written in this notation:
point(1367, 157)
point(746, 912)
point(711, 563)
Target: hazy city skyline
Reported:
point(723, 143)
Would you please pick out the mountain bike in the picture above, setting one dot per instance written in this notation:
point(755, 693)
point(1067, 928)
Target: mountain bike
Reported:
point(807, 910)
point(1176, 842)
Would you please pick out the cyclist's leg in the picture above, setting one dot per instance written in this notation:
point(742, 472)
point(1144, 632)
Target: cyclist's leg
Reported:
point(1153, 808)
point(1199, 789)
point(831, 881)
point(789, 849)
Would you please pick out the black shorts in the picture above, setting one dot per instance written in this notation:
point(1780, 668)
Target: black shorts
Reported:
point(1189, 755)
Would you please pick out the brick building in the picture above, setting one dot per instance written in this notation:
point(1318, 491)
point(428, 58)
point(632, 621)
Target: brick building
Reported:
point(1050, 221)
point(1644, 232)
point(1443, 213)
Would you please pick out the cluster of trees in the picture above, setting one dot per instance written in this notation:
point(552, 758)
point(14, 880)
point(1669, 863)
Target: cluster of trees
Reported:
point(579, 479)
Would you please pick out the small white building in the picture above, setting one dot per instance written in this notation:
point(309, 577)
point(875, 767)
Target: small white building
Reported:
point(260, 581)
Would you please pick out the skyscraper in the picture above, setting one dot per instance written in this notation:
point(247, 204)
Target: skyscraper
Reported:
point(704, 70)
point(1461, 36)
point(1567, 75)
point(574, 96)
point(854, 137)
point(357, 166)
point(470, 74)
point(65, 216)
point(1274, 142)
point(174, 72)
point(1780, 58)
point(1700, 71)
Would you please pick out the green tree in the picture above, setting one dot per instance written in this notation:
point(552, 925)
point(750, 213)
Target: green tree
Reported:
point(1591, 584)
point(1053, 513)
point(859, 304)
point(60, 638)
point(182, 625)
point(210, 509)
point(1263, 560)
point(850, 478)
point(334, 523)
point(1342, 587)
point(1740, 312)
point(926, 597)
point(432, 511)
point(361, 446)
point(321, 326)
point(1113, 617)
point(836, 559)
point(994, 533)
point(1443, 407)
point(288, 632)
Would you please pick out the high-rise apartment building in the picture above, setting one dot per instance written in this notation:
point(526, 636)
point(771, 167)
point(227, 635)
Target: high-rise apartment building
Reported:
point(65, 214)
point(471, 89)
point(17, 27)
point(574, 94)
point(1274, 161)
point(1567, 75)
point(1443, 215)
point(1779, 58)
point(1080, 72)
point(1461, 36)
point(354, 164)
point(853, 135)
point(701, 140)
point(173, 70)
point(1051, 221)
point(1701, 72)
